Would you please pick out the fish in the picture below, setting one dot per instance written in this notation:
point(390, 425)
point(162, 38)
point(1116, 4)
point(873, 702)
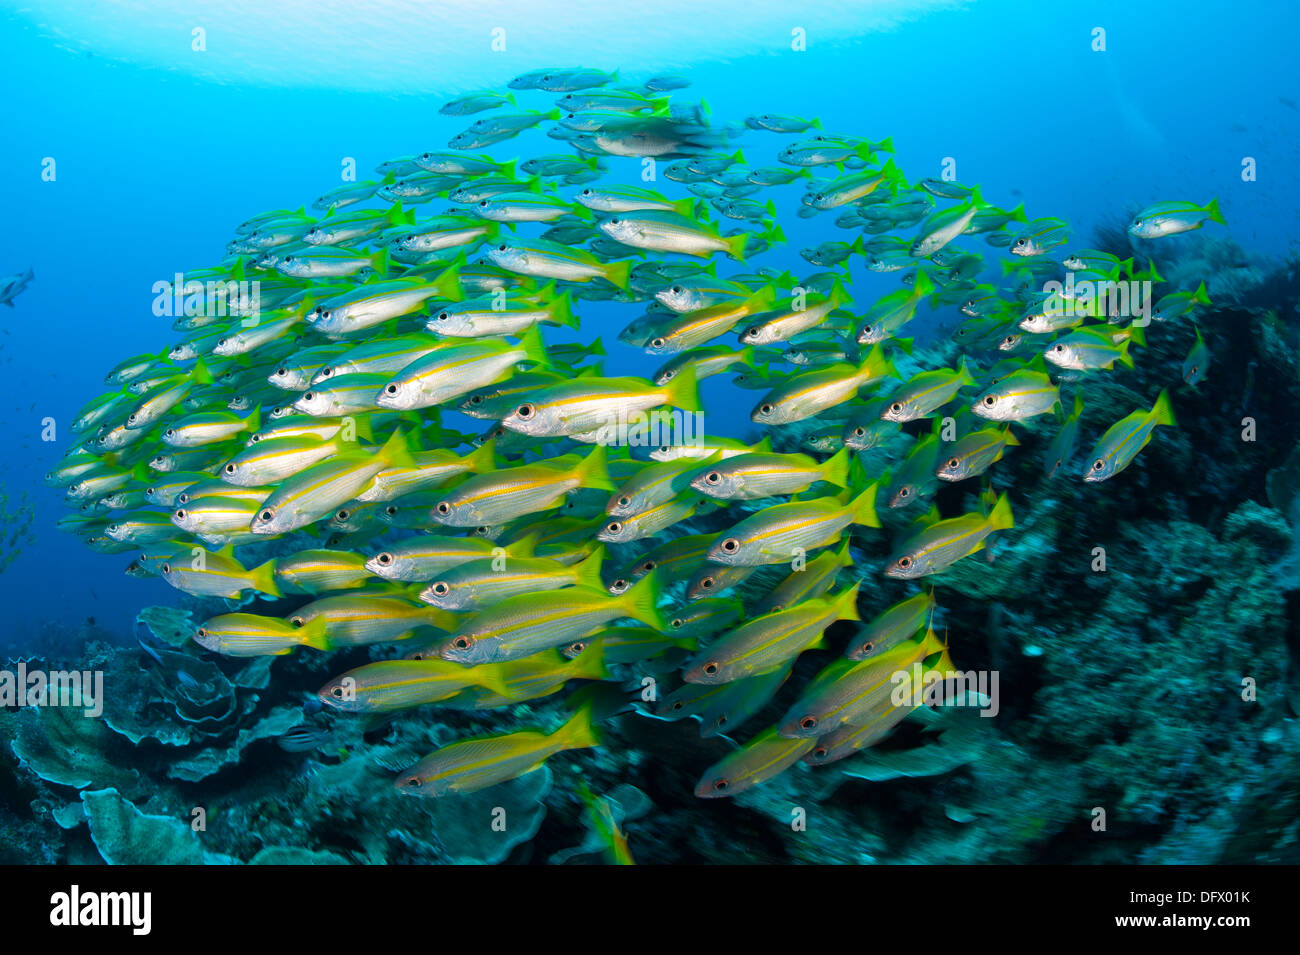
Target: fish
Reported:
point(526, 623)
point(768, 642)
point(763, 757)
point(940, 544)
point(1121, 442)
point(11, 286)
point(1197, 362)
point(253, 635)
point(469, 765)
point(1171, 218)
point(785, 532)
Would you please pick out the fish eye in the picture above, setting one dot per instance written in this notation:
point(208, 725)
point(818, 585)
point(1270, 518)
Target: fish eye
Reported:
point(905, 492)
point(953, 462)
point(586, 192)
point(281, 372)
point(895, 407)
point(867, 647)
point(413, 782)
point(657, 343)
point(171, 432)
point(615, 221)
point(180, 514)
point(1137, 221)
point(719, 785)
point(391, 510)
point(1098, 464)
point(440, 589)
point(677, 623)
point(525, 411)
point(808, 722)
point(384, 559)
point(483, 204)
point(501, 248)
point(463, 643)
point(713, 477)
point(820, 752)
point(327, 371)
point(904, 562)
point(751, 331)
point(167, 569)
point(443, 508)
point(267, 514)
point(1058, 348)
point(624, 502)
point(990, 400)
point(390, 389)
point(710, 668)
point(613, 527)
point(343, 514)
point(229, 469)
point(336, 692)
point(648, 566)
point(476, 400)
point(201, 632)
point(309, 396)
point(131, 417)
point(859, 431)
point(706, 583)
point(730, 545)
point(297, 620)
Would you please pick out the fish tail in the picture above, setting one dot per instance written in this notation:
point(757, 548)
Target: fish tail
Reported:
point(1124, 358)
point(507, 169)
point(448, 283)
point(619, 273)
point(580, 731)
point(587, 572)
point(313, 635)
point(262, 579)
point(1000, 519)
point(562, 311)
point(1212, 210)
point(863, 507)
point(592, 471)
point(683, 391)
point(199, 374)
point(736, 246)
point(1201, 297)
point(396, 451)
point(835, 470)
point(361, 426)
point(642, 601)
point(483, 459)
point(846, 603)
point(590, 663)
point(923, 286)
point(1009, 438)
point(533, 347)
point(490, 677)
point(1162, 411)
point(381, 262)
point(1137, 336)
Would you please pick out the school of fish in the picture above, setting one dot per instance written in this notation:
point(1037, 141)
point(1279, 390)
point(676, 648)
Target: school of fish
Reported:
point(321, 410)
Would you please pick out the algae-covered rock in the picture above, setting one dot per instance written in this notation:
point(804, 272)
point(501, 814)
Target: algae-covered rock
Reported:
point(292, 855)
point(126, 836)
point(213, 759)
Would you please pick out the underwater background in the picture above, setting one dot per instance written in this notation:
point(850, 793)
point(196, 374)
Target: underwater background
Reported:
point(1162, 689)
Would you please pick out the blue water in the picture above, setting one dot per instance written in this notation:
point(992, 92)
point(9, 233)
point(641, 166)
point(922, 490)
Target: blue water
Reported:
point(160, 151)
